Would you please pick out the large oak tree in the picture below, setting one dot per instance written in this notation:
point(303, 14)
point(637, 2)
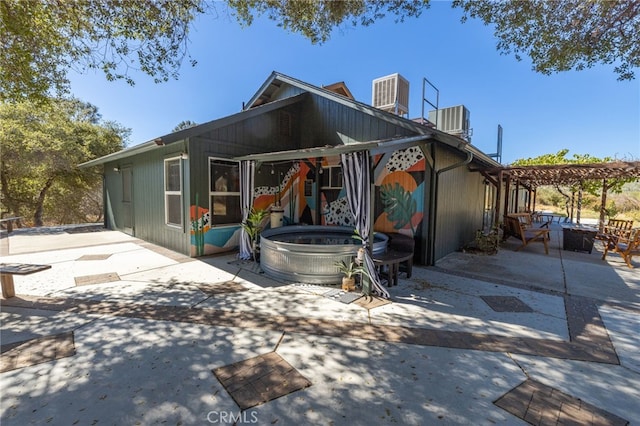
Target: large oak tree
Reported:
point(565, 34)
point(42, 39)
point(41, 145)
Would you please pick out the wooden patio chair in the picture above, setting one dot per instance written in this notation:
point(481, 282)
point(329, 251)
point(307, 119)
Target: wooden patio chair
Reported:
point(516, 228)
point(612, 228)
point(626, 243)
point(525, 218)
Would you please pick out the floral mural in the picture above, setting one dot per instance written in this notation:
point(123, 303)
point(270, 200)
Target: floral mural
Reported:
point(399, 200)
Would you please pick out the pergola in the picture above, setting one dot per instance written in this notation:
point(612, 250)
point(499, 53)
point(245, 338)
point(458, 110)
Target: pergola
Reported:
point(532, 177)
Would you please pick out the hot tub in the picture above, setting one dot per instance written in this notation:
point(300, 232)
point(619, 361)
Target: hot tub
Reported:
point(308, 253)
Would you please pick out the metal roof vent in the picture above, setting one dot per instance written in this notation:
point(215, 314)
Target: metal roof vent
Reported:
point(391, 94)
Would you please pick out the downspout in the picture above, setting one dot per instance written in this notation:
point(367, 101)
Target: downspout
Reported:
point(104, 197)
point(318, 217)
point(433, 204)
point(496, 216)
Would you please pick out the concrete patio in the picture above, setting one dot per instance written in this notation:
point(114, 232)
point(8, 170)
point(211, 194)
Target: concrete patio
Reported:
point(120, 331)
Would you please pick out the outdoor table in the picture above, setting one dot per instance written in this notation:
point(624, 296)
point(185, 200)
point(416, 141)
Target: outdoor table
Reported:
point(391, 259)
point(550, 217)
point(8, 270)
point(578, 237)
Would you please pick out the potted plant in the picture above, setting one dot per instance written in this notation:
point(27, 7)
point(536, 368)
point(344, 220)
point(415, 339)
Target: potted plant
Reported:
point(349, 269)
point(488, 242)
point(253, 226)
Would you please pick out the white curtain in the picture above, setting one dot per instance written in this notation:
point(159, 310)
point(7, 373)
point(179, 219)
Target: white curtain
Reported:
point(247, 176)
point(356, 170)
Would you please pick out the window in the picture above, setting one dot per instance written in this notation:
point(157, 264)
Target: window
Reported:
point(331, 177)
point(224, 192)
point(173, 192)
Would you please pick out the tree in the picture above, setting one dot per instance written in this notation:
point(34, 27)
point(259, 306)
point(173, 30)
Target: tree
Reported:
point(184, 125)
point(41, 146)
point(43, 39)
point(564, 35)
point(316, 19)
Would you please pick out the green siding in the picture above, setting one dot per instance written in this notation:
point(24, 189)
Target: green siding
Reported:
point(459, 204)
point(148, 198)
point(315, 121)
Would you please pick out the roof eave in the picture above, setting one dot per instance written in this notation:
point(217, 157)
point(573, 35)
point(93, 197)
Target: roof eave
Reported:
point(192, 131)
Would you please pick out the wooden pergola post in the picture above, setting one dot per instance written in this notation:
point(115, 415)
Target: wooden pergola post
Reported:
point(603, 204)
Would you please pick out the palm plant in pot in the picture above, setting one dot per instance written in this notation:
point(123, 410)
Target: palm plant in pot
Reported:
point(253, 226)
point(349, 269)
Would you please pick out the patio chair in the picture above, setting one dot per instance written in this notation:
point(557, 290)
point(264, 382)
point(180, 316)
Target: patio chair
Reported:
point(626, 243)
point(612, 228)
point(516, 228)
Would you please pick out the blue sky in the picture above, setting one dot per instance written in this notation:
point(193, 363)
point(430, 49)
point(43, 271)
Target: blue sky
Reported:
point(587, 112)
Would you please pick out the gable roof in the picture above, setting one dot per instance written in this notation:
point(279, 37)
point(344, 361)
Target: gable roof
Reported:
point(263, 101)
point(340, 88)
point(276, 81)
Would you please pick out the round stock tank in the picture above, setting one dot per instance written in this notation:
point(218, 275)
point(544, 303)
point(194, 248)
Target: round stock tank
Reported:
point(308, 253)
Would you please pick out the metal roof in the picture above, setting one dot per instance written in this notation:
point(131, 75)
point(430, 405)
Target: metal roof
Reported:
point(193, 131)
point(262, 102)
point(276, 80)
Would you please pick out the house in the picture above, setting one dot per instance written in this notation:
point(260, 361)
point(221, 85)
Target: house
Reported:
point(181, 190)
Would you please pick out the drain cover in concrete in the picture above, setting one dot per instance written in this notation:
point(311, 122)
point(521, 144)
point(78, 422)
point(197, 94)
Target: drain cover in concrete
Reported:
point(36, 351)
point(94, 257)
point(97, 279)
point(261, 379)
point(540, 404)
point(506, 304)
point(222, 288)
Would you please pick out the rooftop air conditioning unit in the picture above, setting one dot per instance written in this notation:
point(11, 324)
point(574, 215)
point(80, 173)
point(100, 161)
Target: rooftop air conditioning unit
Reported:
point(391, 94)
point(453, 120)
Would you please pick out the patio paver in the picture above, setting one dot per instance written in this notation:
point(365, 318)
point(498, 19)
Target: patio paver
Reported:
point(260, 379)
point(539, 404)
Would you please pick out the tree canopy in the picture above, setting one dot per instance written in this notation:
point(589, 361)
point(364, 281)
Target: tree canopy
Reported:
point(41, 147)
point(316, 20)
point(564, 35)
point(43, 39)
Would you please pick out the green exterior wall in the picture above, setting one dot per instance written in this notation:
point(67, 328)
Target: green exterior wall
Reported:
point(460, 200)
point(307, 122)
point(148, 210)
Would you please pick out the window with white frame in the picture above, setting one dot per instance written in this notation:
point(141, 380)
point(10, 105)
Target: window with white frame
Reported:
point(224, 192)
point(173, 191)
